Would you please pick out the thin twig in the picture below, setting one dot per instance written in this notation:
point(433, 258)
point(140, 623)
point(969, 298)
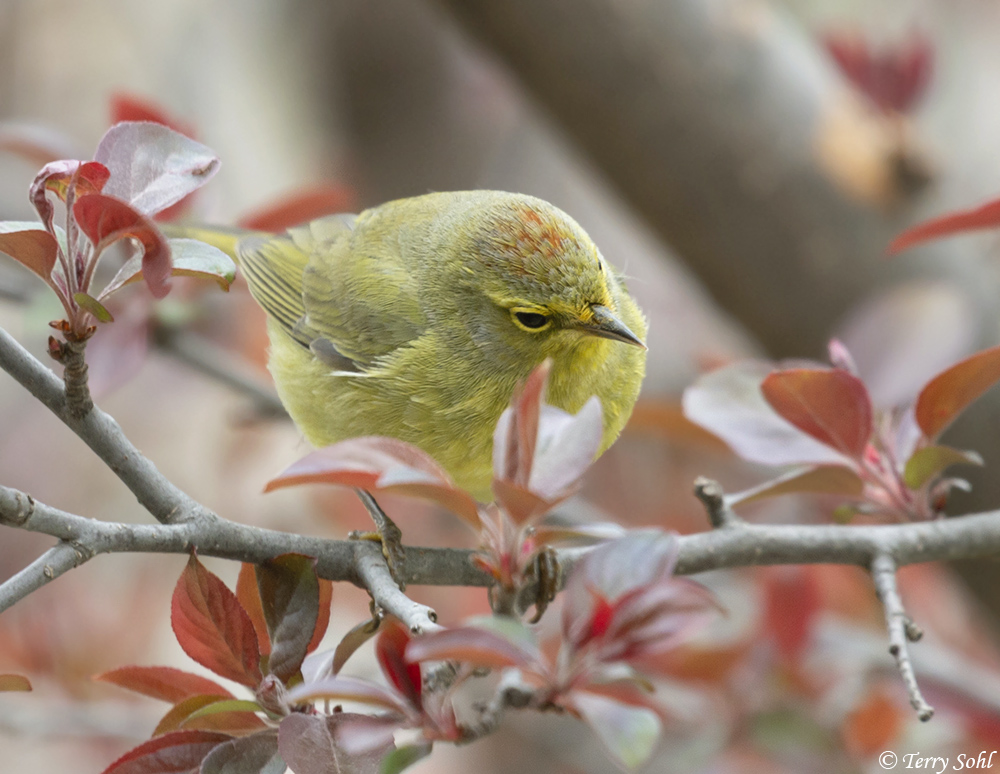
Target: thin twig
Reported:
point(883, 571)
point(713, 498)
point(46, 568)
point(374, 575)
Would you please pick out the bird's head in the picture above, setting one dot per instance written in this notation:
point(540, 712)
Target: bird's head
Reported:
point(541, 272)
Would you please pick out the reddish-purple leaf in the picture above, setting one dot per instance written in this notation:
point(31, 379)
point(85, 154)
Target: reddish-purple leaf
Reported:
point(729, 403)
point(213, 628)
point(301, 206)
point(164, 683)
point(36, 250)
point(255, 754)
point(152, 166)
point(289, 595)
point(950, 392)
point(249, 598)
point(354, 639)
point(522, 505)
point(10, 682)
point(189, 258)
point(930, 461)
point(390, 649)
point(106, 220)
point(323, 619)
point(178, 753)
point(232, 716)
point(517, 430)
point(67, 179)
point(377, 463)
point(470, 645)
point(630, 733)
point(984, 216)
point(831, 405)
point(312, 744)
point(818, 479)
point(348, 689)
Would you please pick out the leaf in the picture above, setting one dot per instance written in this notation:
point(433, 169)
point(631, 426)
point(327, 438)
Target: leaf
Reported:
point(930, 461)
point(516, 432)
point(67, 179)
point(93, 306)
point(180, 752)
point(984, 216)
point(347, 689)
point(249, 598)
point(189, 258)
point(949, 393)
point(630, 733)
point(181, 711)
point(106, 220)
point(235, 716)
point(470, 645)
point(567, 445)
point(164, 683)
point(403, 757)
point(300, 206)
point(729, 403)
point(380, 464)
point(390, 650)
point(323, 619)
point(152, 166)
point(312, 744)
point(34, 249)
point(818, 479)
point(10, 682)
point(213, 628)
point(354, 639)
point(289, 595)
point(831, 405)
point(255, 754)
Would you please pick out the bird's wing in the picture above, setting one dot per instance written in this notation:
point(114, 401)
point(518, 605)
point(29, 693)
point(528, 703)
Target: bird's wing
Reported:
point(349, 301)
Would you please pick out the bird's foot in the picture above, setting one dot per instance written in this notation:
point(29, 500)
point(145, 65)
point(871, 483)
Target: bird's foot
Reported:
point(388, 534)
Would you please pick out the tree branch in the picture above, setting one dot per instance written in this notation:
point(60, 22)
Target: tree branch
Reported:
point(102, 434)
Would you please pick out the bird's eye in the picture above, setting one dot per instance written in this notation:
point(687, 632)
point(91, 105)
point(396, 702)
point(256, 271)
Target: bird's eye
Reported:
point(531, 321)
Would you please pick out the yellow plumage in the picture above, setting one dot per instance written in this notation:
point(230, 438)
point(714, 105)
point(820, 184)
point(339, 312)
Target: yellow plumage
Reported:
point(418, 318)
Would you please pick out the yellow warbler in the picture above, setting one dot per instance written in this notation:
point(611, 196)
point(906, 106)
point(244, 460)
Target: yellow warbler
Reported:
point(417, 319)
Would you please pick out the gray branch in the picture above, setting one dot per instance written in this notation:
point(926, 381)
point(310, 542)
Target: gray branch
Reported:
point(901, 631)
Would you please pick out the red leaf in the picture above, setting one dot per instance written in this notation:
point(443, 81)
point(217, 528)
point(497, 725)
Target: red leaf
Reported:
point(289, 595)
point(316, 745)
point(213, 628)
point(985, 216)
point(129, 107)
point(470, 645)
point(949, 393)
point(300, 206)
point(105, 220)
point(323, 619)
point(164, 683)
point(831, 405)
point(792, 601)
point(183, 709)
point(348, 689)
point(67, 179)
point(249, 598)
point(178, 753)
point(390, 649)
point(255, 754)
point(377, 463)
point(819, 479)
point(357, 636)
point(36, 250)
point(517, 430)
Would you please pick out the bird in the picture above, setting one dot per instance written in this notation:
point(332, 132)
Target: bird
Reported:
point(419, 318)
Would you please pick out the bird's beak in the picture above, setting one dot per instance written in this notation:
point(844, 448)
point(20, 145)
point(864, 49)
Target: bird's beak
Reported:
point(607, 326)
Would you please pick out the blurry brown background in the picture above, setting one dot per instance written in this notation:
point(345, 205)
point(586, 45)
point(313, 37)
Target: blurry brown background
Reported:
point(711, 148)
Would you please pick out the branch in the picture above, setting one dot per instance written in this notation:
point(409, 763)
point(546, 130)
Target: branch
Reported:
point(373, 574)
point(102, 434)
point(902, 630)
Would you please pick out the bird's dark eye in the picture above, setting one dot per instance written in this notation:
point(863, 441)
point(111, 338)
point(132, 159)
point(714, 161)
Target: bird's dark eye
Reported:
point(532, 321)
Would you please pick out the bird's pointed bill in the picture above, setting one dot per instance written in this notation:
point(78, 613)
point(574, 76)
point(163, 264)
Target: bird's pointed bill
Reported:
point(605, 324)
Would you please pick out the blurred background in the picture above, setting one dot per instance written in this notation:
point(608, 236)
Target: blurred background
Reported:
point(745, 162)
